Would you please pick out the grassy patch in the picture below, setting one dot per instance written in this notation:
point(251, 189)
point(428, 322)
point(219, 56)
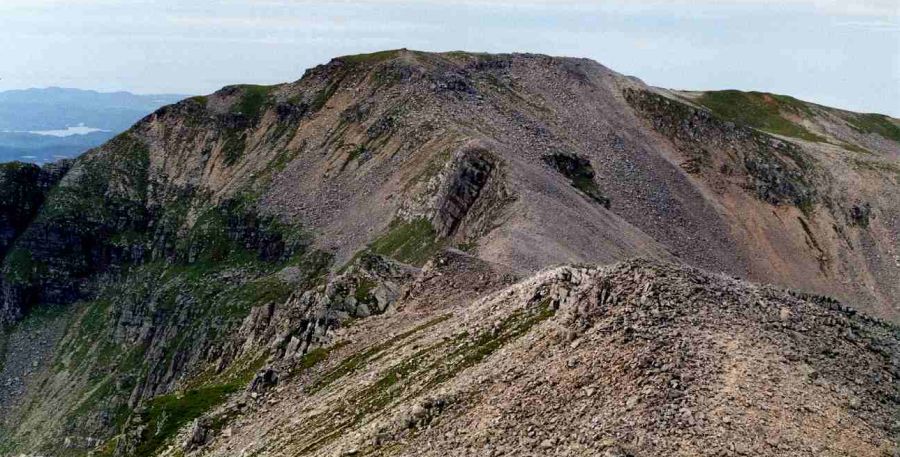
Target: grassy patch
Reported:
point(886, 168)
point(284, 157)
point(357, 152)
point(374, 57)
point(855, 148)
point(876, 123)
point(760, 110)
point(412, 242)
point(324, 95)
point(363, 293)
point(168, 413)
point(253, 100)
point(589, 187)
point(355, 361)
point(233, 147)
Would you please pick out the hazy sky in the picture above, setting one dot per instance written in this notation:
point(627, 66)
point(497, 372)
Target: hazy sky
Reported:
point(844, 53)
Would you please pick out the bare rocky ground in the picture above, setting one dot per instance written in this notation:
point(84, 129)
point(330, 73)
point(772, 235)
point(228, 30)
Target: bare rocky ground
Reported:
point(639, 358)
point(401, 254)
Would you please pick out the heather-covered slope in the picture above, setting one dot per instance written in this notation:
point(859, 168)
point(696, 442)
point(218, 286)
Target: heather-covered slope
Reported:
point(239, 231)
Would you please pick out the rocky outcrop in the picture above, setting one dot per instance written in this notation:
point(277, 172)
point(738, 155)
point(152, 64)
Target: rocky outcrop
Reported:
point(580, 173)
point(776, 171)
point(639, 358)
point(289, 330)
point(23, 189)
point(470, 172)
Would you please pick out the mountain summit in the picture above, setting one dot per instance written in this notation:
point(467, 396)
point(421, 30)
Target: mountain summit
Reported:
point(396, 255)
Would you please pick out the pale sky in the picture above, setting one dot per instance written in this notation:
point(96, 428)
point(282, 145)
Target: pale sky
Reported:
point(843, 53)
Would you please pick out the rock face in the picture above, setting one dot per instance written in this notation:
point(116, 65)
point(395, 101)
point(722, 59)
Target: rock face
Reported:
point(579, 170)
point(23, 189)
point(334, 266)
point(468, 177)
point(777, 171)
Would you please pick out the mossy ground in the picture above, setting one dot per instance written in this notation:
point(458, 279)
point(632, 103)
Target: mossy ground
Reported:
point(253, 100)
point(355, 361)
point(761, 111)
point(168, 413)
point(876, 123)
point(412, 242)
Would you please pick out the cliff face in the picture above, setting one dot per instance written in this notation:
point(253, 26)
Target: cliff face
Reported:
point(23, 189)
point(150, 280)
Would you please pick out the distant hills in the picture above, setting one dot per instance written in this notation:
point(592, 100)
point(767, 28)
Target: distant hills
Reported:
point(43, 125)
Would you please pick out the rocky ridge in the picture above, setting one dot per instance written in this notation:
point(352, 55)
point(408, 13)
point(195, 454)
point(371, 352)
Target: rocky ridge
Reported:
point(639, 358)
point(306, 234)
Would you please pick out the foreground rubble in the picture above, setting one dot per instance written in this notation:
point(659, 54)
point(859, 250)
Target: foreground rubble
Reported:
point(639, 358)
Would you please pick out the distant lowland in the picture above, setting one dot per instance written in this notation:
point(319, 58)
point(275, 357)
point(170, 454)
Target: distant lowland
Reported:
point(45, 125)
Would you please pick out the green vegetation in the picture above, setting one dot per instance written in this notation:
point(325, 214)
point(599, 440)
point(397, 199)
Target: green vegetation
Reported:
point(205, 300)
point(20, 268)
point(468, 246)
point(252, 100)
point(876, 123)
point(374, 57)
point(314, 357)
point(587, 185)
point(760, 110)
point(111, 184)
point(206, 292)
point(270, 289)
point(168, 413)
point(325, 94)
point(580, 173)
point(412, 242)
point(4, 337)
point(778, 172)
point(886, 168)
point(363, 293)
point(233, 147)
point(357, 152)
point(355, 361)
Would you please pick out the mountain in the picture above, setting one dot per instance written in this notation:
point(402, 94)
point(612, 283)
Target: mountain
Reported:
point(42, 125)
point(408, 253)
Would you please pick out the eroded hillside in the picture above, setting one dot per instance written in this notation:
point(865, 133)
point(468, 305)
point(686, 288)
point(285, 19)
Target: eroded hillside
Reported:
point(244, 270)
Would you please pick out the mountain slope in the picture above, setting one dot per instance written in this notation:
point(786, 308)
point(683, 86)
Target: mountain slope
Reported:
point(246, 230)
point(634, 359)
